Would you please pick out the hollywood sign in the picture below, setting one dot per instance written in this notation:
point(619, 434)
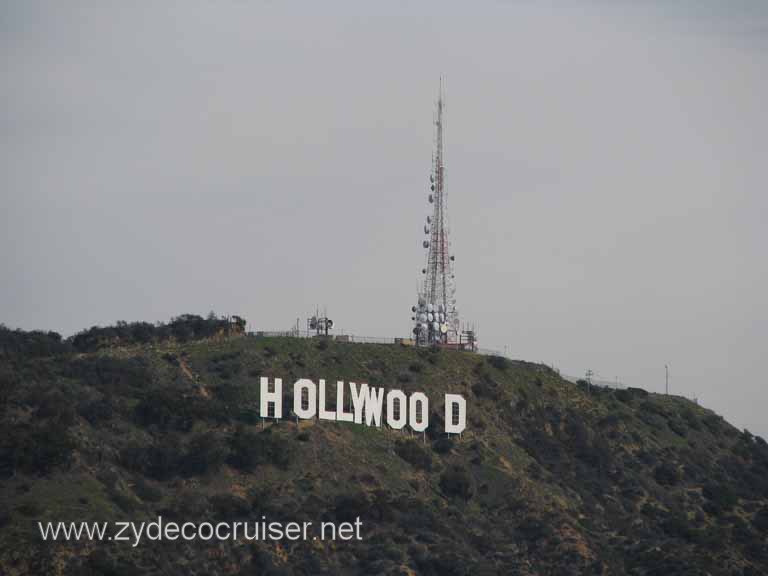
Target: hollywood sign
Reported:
point(369, 405)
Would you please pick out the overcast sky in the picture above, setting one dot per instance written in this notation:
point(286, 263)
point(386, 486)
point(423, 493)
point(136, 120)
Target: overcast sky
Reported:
point(606, 174)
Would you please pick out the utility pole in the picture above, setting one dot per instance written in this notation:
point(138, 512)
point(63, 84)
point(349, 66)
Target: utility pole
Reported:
point(589, 375)
point(666, 379)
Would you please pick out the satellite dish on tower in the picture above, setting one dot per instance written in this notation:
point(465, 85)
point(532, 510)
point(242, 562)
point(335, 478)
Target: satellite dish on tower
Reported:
point(438, 321)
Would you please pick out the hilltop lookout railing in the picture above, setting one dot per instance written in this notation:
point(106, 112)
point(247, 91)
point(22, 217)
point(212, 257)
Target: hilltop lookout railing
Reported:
point(361, 339)
point(351, 338)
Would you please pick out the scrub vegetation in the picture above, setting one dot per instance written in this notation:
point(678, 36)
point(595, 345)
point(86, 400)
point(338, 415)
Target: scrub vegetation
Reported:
point(129, 422)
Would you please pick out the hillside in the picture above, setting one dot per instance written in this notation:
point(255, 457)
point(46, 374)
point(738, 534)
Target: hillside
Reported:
point(548, 478)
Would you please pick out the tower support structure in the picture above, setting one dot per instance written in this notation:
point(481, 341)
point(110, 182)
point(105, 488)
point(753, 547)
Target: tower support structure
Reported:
point(435, 316)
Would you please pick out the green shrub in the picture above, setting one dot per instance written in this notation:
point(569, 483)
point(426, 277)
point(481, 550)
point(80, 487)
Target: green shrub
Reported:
point(95, 412)
point(349, 507)
point(678, 427)
point(666, 474)
point(714, 423)
point(721, 497)
point(55, 407)
point(443, 445)
point(498, 362)
point(205, 454)
point(414, 454)
point(486, 389)
point(534, 530)
point(677, 525)
point(29, 508)
point(456, 482)
point(160, 461)
point(35, 449)
point(183, 328)
point(250, 449)
point(34, 344)
point(228, 507)
point(109, 374)
point(166, 409)
point(146, 491)
point(691, 419)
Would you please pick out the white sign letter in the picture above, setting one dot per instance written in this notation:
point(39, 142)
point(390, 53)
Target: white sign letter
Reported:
point(298, 398)
point(358, 400)
point(323, 413)
point(373, 401)
point(340, 414)
point(275, 398)
point(419, 406)
point(455, 413)
point(402, 405)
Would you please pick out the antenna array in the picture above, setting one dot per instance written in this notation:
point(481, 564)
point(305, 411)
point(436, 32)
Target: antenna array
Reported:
point(435, 317)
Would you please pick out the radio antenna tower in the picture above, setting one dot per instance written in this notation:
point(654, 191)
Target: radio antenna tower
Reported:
point(436, 320)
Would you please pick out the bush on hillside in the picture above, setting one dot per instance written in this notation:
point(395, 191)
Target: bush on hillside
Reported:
point(183, 328)
point(720, 496)
point(348, 507)
point(34, 344)
point(456, 482)
point(166, 409)
point(251, 449)
point(666, 474)
point(118, 376)
point(34, 449)
point(205, 454)
point(160, 461)
point(486, 388)
point(414, 454)
point(498, 362)
point(95, 412)
point(228, 507)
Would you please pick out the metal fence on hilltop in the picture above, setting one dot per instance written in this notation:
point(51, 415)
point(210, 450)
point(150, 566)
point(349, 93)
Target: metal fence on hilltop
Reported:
point(351, 338)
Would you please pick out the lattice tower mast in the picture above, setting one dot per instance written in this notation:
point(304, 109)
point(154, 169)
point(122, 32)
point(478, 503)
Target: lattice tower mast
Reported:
point(436, 317)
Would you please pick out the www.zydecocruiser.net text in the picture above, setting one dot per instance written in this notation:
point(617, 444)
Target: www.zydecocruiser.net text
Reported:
point(159, 530)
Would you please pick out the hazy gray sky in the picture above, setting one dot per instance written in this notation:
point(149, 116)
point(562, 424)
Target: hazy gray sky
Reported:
point(606, 174)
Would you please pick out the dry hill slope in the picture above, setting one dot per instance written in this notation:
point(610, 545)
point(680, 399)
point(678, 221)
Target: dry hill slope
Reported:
point(548, 478)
